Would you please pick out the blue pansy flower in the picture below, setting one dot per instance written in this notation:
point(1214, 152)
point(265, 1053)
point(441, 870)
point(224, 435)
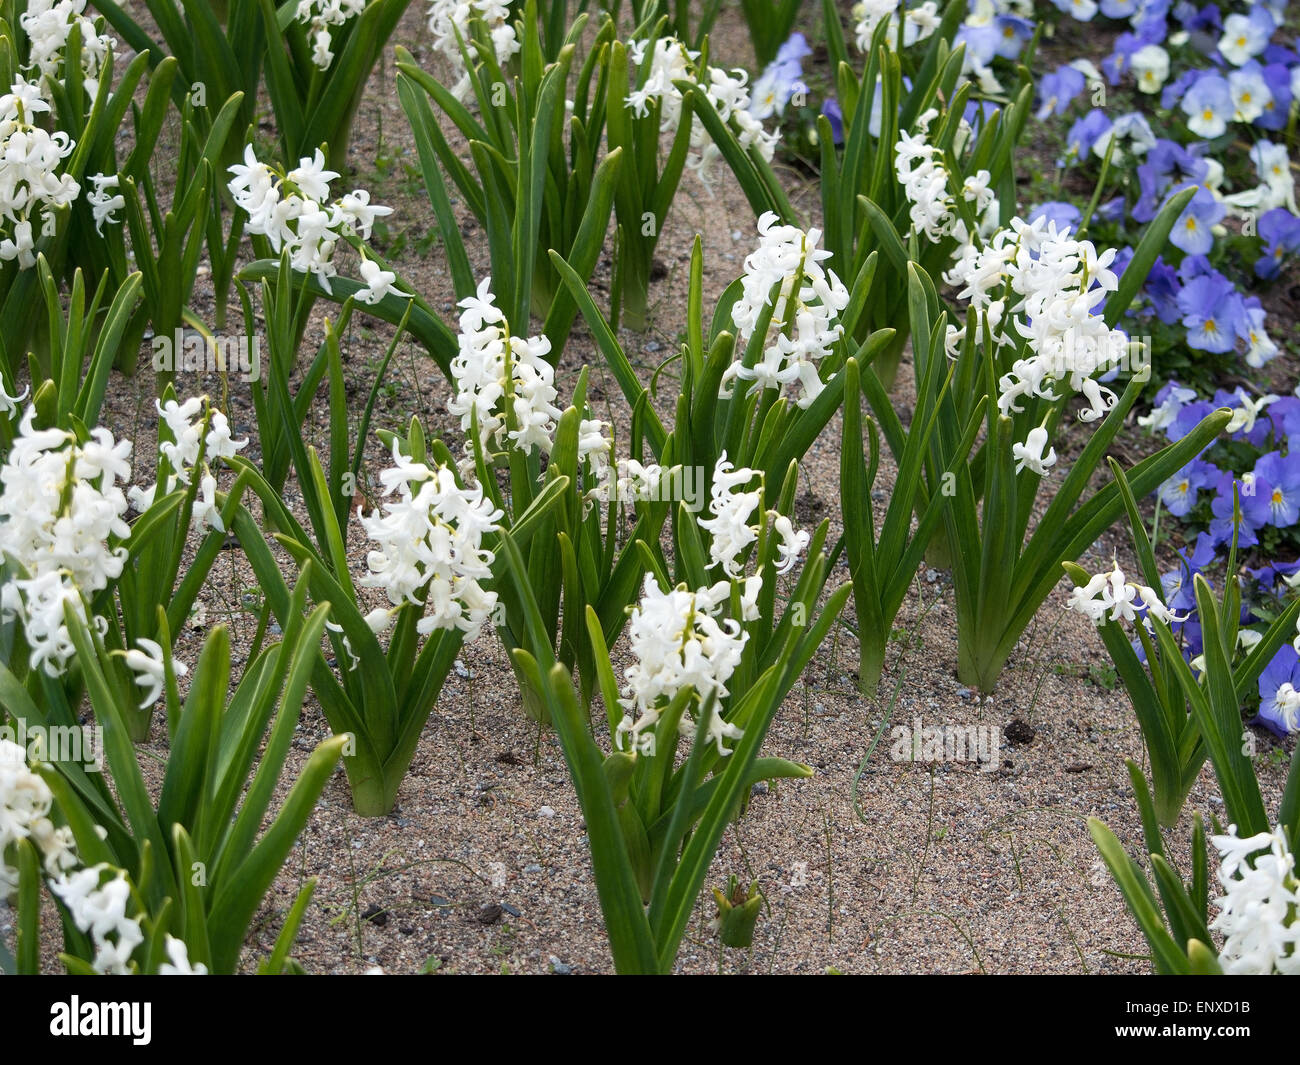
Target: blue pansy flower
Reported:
point(1175, 90)
point(1221, 526)
point(1118, 8)
point(1180, 492)
point(1208, 106)
point(1112, 210)
point(1278, 79)
point(1085, 132)
point(1280, 231)
point(1189, 416)
point(1057, 90)
point(1276, 497)
point(1192, 231)
point(831, 109)
point(1279, 692)
point(1012, 34)
point(1213, 313)
point(1162, 288)
point(1065, 215)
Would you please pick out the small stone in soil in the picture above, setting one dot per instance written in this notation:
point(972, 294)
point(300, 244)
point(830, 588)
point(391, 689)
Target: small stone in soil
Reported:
point(511, 910)
point(546, 812)
point(532, 868)
point(489, 913)
point(558, 967)
point(759, 789)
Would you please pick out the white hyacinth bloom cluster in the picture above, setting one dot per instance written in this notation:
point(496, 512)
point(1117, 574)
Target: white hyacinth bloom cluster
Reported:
point(430, 551)
point(295, 211)
point(185, 423)
point(1035, 284)
point(1113, 597)
point(61, 503)
point(321, 17)
point(729, 528)
point(919, 167)
point(31, 184)
point(805, 321)
point(48, 24)
point(728, 91)
point(919, 22)
point(678, 641)
point(98, 908)
point(1257, 912)
point(446, 17)
point(25, 801)
point(627, 481)
point(490, 362)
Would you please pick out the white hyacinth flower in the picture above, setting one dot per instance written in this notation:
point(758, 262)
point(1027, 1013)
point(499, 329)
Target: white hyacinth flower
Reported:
point(99, 909)
point(1257, 912)
point(178, 963)
point(678, 642)
point(146, 661)
point(430, 551)
point(805, 319)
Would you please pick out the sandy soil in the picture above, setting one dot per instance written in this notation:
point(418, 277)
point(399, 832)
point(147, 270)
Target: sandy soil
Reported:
point(869, 866)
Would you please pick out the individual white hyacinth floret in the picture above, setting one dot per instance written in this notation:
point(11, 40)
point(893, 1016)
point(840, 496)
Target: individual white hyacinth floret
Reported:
point(805, 319)
point(491, 362)
point(1113, 597)
point(25, 802)
point(379, 283)
point(1257, 912)
point(104, 205)
point(178, 963)
point(448, 17)
point(295, 211)
point(62, 521)
point(9, 405)
point(98, 907)
point(322, 17)
point(728, 92)
point(730, 529)
point(31, 182)
point(430, 551)
point(678, 641)
point(146, 661)
point(1029, 455)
